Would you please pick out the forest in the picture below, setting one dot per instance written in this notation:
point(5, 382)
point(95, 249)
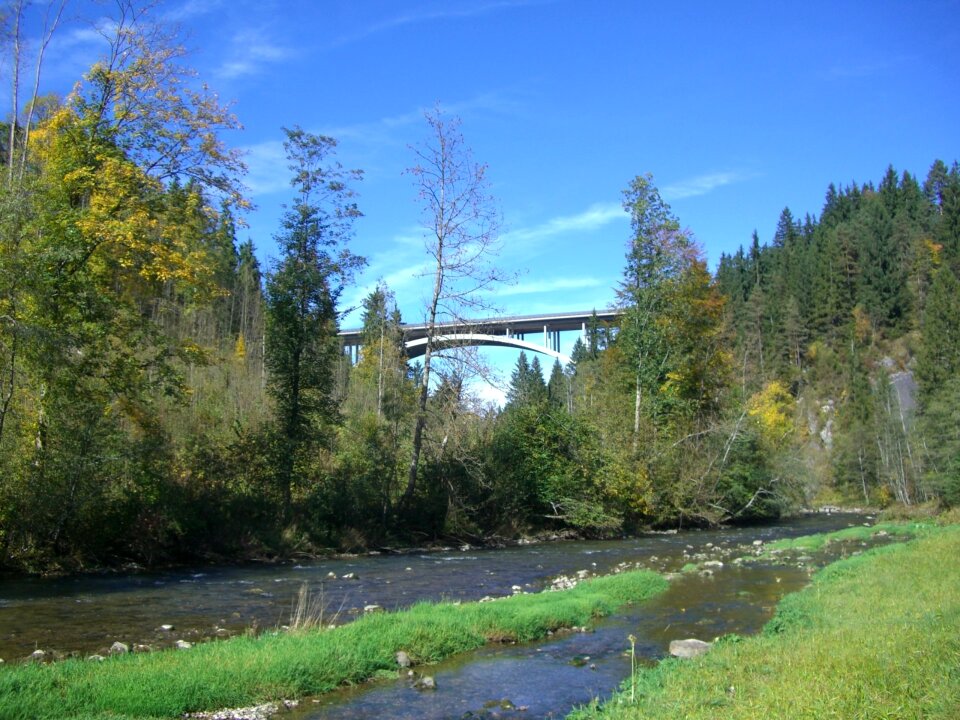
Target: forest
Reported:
point(164, 398)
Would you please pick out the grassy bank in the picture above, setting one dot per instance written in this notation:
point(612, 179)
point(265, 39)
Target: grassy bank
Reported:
point(819, 541)
point(248, 670)
point(874, 636)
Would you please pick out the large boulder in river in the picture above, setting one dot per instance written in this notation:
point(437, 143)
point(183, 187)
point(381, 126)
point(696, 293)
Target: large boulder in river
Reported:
point(403, 660)
point(119, 648)
point(688, 648)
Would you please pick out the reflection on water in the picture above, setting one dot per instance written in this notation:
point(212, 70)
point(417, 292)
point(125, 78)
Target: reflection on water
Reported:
point(86, 614)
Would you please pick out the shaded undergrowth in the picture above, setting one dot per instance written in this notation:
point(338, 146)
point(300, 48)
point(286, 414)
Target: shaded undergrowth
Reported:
point(247, 670)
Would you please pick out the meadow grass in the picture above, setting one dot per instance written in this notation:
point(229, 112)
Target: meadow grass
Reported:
point(876, 636)
point(243, 671)
point(856, 533)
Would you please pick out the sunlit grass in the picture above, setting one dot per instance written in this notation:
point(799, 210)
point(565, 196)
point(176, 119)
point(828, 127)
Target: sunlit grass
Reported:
point(856, 533)
point(243, 671)
point(874, 636)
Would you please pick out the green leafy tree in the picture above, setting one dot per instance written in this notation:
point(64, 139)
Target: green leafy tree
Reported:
point(92, 364)
point(659, 253)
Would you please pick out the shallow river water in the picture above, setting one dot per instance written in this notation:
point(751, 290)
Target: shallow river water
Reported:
point(86, 614)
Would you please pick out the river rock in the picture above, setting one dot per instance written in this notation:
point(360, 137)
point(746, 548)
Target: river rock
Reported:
point(688, 648)
point(183, 645)
point(166, 627)
point(96, 658)
point(372, 608)
point(141, 648)
point(425, 683)
point(256, 712)
point(403, 660)
point(37, 656)
point(713, 564)
point(350, 576)
point(119, 648)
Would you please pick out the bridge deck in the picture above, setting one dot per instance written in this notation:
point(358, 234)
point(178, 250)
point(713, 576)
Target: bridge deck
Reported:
point(510, 325)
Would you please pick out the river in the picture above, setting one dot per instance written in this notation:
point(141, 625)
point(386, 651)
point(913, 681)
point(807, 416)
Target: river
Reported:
point(86, 614)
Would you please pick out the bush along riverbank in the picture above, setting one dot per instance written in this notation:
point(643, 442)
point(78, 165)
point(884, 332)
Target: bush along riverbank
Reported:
point(874, 636)
point(246, 671)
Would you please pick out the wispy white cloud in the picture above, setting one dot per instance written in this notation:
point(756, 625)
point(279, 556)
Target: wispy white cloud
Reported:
point(73, 51)
point(446, 11)
point(251, 53)
point(400, 264)
point(84, 36)
point(395, 130)
point(599, 300)
point(404, 277)
point(267, 170)
point(190, 9)
point(701, 185)
point(861, 69)
point(594, 217)
point(548, 286)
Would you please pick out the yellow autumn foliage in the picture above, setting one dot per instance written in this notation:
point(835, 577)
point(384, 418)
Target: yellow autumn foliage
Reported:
point(771, 410)
point(114, 207)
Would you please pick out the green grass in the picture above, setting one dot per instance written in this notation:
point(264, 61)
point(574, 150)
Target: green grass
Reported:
point(876, 636)
point(856, 533)
point(244, 671)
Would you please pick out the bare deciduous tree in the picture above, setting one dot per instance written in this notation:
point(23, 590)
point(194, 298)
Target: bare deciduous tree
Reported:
point(461, 224)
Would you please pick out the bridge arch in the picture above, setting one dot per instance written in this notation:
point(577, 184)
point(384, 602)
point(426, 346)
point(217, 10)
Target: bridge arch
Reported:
point(416, 348)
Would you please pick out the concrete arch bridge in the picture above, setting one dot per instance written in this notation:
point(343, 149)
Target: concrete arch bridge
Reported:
point(510, 331)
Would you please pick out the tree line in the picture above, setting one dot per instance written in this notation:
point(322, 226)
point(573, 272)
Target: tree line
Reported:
point(164, 398)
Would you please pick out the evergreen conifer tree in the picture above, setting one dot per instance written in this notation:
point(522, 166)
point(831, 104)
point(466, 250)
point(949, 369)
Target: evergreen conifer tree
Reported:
point(938, 358)
point(302, 294)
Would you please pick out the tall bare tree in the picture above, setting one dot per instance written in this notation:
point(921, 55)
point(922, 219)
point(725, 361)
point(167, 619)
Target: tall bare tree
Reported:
point(20, 135)
point(461, 224)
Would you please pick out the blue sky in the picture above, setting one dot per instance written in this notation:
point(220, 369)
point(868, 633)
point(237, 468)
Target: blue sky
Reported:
point(738, 109)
